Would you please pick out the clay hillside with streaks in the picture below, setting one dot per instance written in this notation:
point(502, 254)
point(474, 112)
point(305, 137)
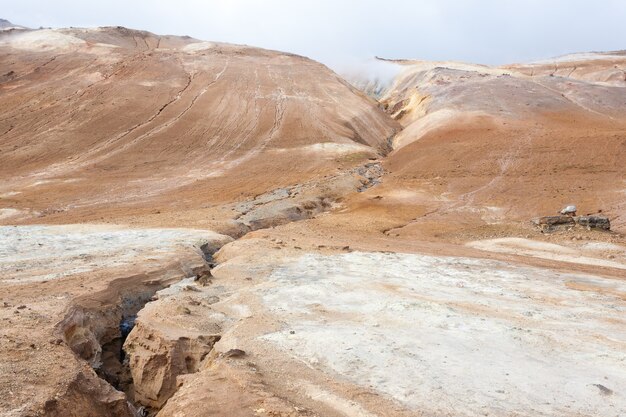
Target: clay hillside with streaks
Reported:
point(115, 116)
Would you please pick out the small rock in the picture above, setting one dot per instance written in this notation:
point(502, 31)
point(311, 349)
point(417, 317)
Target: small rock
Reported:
point(604, 390)
point(22, 307)
point(212, 299)
point(234, 353)
point(571, 209)
point(204, 278)
point(183, 310)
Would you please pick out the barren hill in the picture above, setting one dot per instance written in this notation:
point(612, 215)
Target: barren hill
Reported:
point(97, 117)
point(487, 145)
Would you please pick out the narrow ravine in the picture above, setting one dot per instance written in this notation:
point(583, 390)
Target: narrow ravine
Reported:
point(121, 350)
point(96, 333)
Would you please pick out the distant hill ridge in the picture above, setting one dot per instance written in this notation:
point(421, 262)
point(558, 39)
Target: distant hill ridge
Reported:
point(5, 24)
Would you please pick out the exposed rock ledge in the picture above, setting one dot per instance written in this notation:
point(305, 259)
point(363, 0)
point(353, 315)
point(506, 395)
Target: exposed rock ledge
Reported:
point(168, 342)
point(552, 223)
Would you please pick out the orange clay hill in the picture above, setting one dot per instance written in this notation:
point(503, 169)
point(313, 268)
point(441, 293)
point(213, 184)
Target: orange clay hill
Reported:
point(191, 228)
point(105, 123)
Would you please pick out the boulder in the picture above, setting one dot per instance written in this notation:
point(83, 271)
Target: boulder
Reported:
point(594, 222)
point(550, 223)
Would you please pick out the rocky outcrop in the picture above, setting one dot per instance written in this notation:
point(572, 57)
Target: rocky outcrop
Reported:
point(88, 395)
point(553, 223)
point(594, 222)
point(550, 223)
point(303, 201)
point(172, 337)
point(156, 359)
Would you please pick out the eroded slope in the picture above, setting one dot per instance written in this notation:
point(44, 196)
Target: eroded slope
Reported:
point(486, 146)
point(98, 117)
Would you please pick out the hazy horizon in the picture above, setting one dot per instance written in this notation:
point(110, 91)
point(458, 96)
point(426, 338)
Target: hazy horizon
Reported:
point(340, 33)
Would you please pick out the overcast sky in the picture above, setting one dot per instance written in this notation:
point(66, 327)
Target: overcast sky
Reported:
point(340, 31)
